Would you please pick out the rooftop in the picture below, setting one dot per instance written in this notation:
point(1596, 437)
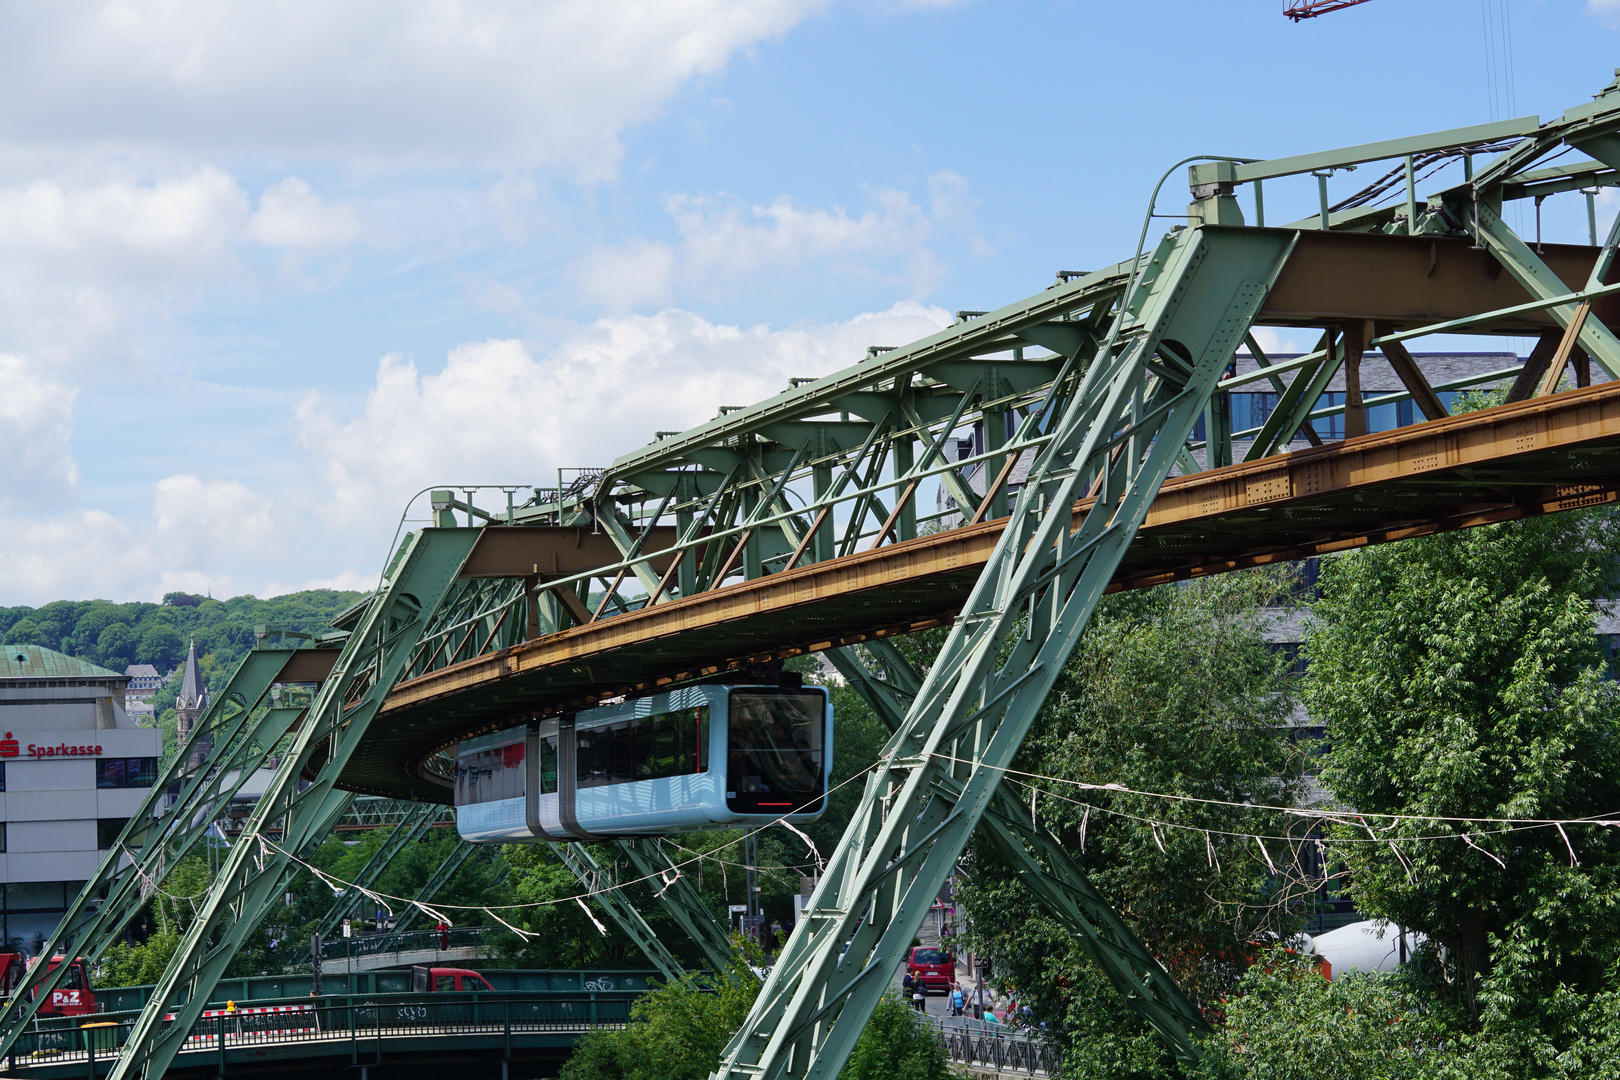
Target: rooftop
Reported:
point(38, 662)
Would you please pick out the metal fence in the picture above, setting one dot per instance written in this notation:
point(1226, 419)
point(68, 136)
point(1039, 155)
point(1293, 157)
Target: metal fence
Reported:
point(335, 1022)
point(392, 944)
point(1002, 1051)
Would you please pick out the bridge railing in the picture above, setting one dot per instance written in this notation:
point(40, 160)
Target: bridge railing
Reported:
point(1003, 1051)
point(335, 1022)
point(470, 937)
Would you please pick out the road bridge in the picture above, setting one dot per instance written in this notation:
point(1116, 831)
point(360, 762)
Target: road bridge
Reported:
point(999, 476)
point(381, 1035)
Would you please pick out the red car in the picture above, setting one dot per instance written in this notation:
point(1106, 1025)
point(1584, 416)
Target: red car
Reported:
point(934, 968)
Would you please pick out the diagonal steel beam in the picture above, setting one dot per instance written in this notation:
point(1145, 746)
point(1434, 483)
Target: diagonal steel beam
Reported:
point(1122, 425)
point(157, 838)
point(416, 822)
point(255, 870)
point(1055, 880)
point(604, 889)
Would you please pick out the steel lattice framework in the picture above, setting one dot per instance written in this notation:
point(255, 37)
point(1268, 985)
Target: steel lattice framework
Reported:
point(1059, 434)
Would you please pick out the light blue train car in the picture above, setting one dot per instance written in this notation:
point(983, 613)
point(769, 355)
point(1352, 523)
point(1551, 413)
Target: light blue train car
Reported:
point(699, 757)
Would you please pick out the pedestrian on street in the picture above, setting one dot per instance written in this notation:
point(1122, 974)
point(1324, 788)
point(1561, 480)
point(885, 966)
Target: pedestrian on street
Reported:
point(919, 996)
point(958, 999)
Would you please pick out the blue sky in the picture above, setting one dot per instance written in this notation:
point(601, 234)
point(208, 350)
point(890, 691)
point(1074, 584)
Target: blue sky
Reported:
point(266, 271)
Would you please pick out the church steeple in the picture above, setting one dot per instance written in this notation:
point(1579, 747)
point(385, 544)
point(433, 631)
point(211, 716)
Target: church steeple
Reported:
point(189, 706)
point(193, 692)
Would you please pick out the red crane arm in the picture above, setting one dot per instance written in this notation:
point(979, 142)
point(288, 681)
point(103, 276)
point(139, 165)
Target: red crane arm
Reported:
point(1310, 9)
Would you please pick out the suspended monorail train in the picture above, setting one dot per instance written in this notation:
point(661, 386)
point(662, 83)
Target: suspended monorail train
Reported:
point(700, 757)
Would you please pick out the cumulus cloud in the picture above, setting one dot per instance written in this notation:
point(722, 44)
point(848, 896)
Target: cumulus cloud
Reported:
point(1606, 10)
point(83, 261)
point(36, 431)
point(175, 227)
point(510, 84)
point(204, 521)
point(499, 413)
point(292, 216)
point(725, 239)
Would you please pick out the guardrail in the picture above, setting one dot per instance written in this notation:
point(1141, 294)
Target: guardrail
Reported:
point(338, 1024)
point(1002, 1051)
point(470, 937)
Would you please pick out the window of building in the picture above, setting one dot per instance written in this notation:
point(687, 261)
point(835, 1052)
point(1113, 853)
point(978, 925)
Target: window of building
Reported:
point(108, 830)
point(646, 748)
point(2, 836)
point(133, 772)
point(2, 776)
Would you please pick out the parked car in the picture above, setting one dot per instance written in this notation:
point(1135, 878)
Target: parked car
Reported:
point(935, 969)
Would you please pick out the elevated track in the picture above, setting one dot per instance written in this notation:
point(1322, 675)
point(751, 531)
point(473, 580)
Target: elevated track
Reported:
point(1533, 457)
point(1000, 476)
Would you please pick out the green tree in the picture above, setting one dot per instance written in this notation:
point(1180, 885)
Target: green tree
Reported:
point(161, 646)
point(679, 1031)
point(1458, 677)
point(1174, 691)
point(1288, 1023)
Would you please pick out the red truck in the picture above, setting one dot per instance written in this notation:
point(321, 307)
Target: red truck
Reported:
point(426, 980)
point(72, 998)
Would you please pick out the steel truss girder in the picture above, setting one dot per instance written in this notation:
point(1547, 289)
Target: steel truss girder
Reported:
point(416, 822)
point(683, 903)
point(602, 885)
point(440, 877)
point(156, 839)
point(255, 872)
point(1055, 880)
point(1118, 431)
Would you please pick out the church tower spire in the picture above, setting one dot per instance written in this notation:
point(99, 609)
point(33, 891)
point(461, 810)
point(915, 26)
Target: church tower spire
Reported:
point(189, 706)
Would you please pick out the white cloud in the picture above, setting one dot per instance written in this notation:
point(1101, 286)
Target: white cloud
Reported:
point(292, 216)
point(206, 521)
point(83, 261)
point(627, 276)
point(36, 431)
point(498, 413)
point(126, 231)
point(721, 235)
point(1606, 10)
point(79, 555)
point(512, 84)
point(725, 239)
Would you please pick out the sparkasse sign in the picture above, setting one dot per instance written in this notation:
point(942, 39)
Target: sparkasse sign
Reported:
point(9, 747)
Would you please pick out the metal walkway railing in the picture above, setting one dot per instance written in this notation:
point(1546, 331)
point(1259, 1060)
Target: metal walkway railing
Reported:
point(1002, 1051)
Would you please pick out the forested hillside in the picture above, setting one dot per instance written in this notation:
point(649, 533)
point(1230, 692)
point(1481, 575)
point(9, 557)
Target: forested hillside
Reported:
point(117, 635)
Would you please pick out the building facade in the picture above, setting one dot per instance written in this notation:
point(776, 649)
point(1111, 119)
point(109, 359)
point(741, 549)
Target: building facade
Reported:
point(73, 769)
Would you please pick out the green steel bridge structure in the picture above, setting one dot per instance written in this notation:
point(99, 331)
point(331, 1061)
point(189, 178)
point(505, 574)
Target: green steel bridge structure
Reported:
point(803, 524)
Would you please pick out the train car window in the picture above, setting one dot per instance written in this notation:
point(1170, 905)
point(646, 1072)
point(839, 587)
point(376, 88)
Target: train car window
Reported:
point(649, 748)
point(624, 754)
point(774, 751)
point(645, 767)
point(490, 775)
point(548, 765)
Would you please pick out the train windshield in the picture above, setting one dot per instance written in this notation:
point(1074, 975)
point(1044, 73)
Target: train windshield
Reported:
point(774, 751)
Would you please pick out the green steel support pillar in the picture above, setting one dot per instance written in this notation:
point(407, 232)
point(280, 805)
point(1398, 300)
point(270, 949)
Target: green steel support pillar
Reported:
point(155, 840)
point(1055, 880)
point(256, 870)
point(940, 771)
point(675, 892)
